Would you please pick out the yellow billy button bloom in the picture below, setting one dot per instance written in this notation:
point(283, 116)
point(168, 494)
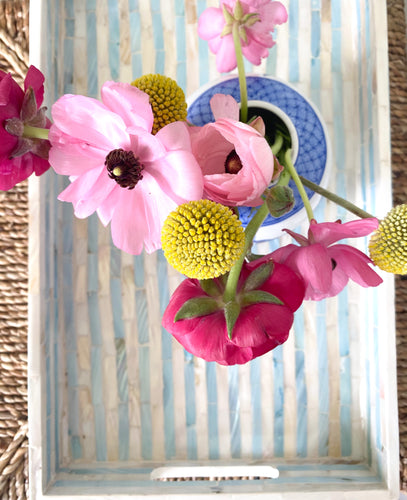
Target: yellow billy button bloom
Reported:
point(388, 244)
point(202, 239)
point(167, 99)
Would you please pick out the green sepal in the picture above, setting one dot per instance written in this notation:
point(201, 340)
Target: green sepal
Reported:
point(227, 30)
point(232, 311)
point(250, 19)
point(198, 306)
point(280, 200)
point(258, 297)
point(227, 15)
point(258, 277)
point(210, 287)
point(238, 11)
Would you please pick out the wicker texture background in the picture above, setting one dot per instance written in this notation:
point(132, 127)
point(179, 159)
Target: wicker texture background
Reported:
point(13, 282)
point(13, 254)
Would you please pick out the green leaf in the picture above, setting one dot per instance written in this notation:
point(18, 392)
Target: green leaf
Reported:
point(232, 311)
point(210, 287)
point(280, 200)
point(258, 276)
point(198, 306)
point(258, 297)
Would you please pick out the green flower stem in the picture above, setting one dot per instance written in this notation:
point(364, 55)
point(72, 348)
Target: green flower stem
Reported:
point(241, 72)
point(35, 132)
point(336, 199)
point(296, 178)
point(278, 143)
point(250, 231)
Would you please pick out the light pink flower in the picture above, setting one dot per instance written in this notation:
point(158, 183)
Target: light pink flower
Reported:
point(228, 144)
point(326, 268)
point(20, 156)
point(259, 328)
point(255, 32)
point(148, 177)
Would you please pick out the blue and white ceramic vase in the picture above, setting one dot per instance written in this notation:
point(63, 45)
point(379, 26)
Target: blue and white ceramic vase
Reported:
point(310, 144)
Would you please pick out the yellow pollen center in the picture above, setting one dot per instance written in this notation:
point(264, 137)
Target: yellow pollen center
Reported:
point(167, 99)
point(388, 244)
point(202, 239)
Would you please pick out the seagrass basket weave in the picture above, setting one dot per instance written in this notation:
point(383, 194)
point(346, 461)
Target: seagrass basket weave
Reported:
point(398, 106)
point(13, 282)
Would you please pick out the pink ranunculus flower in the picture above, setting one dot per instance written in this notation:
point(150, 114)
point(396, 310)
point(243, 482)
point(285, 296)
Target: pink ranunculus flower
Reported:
point(326, 268)
point(20, 156)
point(255, 26)
point(259, 328)
point(132, 178)
point(236, 160)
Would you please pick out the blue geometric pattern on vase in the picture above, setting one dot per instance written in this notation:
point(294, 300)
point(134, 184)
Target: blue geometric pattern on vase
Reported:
point(312, 146)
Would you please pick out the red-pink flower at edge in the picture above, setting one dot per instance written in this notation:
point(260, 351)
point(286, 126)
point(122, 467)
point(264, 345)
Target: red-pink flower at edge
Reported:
point(225, 143)
point(20, 156)
point(326, 268)
point(132, 178)
point(259, 328)
point(257, 37)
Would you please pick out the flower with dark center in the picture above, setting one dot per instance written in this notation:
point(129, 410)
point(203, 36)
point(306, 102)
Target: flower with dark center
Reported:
point(233, 163)
point(124, 168)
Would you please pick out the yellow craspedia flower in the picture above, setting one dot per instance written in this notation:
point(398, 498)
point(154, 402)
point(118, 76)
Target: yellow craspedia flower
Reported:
point(388, 244)
point(167, 99)
point(202, 239)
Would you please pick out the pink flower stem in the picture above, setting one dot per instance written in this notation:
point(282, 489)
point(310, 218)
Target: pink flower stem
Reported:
point(241, 72)
point(336, 199)
point(250, 231)
point(35, 132)
point(296, 178)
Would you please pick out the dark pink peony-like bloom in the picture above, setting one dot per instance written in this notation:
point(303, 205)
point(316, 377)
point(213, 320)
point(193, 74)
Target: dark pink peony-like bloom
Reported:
point(236, 160)
point(327, 268)
point(21, 156)
point(259, 328)
point(257, 22)
point(132, 178)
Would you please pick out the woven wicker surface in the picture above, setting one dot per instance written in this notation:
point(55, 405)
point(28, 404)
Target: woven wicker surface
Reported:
point(13, 255)
point(398, 103)
point(13, 282)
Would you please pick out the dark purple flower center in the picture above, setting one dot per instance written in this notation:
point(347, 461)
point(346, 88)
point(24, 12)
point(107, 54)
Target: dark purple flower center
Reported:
point(124, 168)
point(233, 163)
point(333, 263)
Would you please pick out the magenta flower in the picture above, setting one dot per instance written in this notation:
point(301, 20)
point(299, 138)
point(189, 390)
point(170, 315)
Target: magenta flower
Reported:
point(132, 178)
point(326, 268)
point(20, 156)
point(259, 328)
point(236, 160)
point(256, 21)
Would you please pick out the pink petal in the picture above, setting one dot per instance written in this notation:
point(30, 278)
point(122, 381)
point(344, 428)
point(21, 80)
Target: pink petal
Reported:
point(88, 191)
point(224, 106)
point(131, 103)
point(137, 219)
point(175, 136)
point(210, 23)
point(225, 56)
point(70, 156)
point(355, 264)
point(35, 79)
point(90, 121)
point(330, 232)
point(179, 176)
point(314, 265)
point(14, 171)
point(261, 322)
